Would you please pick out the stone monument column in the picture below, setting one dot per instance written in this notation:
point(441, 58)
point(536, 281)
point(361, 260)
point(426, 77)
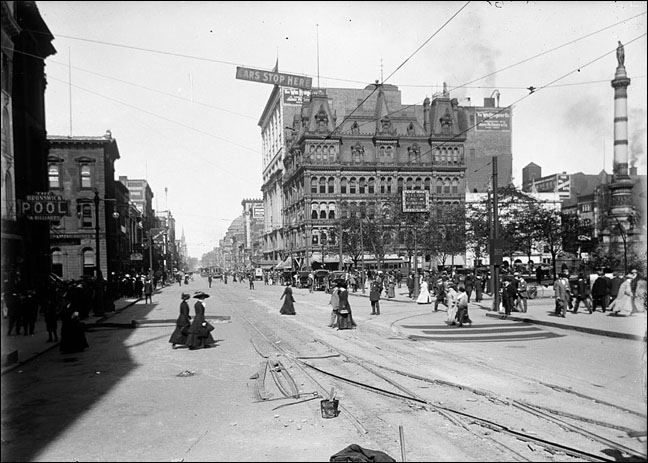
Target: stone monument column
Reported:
point(621, 186)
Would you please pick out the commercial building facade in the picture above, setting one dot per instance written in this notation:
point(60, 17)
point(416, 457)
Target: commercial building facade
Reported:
point(340, 150)
point(26, 43)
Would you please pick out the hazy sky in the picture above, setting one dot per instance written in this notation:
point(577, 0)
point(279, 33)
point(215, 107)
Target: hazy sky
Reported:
point(161, 77)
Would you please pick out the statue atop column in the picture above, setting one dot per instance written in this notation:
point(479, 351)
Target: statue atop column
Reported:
point(620, 54)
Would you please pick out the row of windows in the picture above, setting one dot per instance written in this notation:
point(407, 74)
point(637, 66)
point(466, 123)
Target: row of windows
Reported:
point(329, 153)
point(87, 260)
point(362, 185)
point(85, 175)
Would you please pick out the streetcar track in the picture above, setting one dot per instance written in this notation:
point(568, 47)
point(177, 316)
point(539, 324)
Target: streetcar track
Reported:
point(492, 397)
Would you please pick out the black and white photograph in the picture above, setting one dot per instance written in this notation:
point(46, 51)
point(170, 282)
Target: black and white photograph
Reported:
point(276, 231)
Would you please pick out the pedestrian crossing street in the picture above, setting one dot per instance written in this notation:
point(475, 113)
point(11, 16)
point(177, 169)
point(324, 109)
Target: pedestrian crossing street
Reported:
point(494, 332)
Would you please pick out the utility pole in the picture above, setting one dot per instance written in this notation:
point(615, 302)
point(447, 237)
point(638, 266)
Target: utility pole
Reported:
point(496, 249)
point(362, 278)
point(99, 309)
point(340, 242)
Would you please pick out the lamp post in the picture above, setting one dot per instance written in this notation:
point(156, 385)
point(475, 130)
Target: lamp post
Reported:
point(99, 309)
point(117, 232)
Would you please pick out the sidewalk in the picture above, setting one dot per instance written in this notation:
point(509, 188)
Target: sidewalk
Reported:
point(17, 349)
point(541, 312)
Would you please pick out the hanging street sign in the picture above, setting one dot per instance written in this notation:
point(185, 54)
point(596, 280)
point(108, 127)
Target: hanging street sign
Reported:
point(274, 78)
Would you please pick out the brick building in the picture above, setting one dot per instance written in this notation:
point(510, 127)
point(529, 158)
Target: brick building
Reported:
point(26, 43)
point(77, 168)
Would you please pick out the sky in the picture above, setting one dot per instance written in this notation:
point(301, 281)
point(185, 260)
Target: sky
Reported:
point(161, 77)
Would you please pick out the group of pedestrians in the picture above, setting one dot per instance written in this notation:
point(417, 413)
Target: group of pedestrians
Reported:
point(196, 333)
point(617, 294)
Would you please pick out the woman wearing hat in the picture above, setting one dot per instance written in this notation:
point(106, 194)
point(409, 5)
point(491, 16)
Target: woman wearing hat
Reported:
point(288, 307)
point(183, 323)
point(200, 330)
point(623, 303)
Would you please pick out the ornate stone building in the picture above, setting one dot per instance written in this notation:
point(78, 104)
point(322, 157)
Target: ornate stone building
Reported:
point(357, 149)
point(328, 148)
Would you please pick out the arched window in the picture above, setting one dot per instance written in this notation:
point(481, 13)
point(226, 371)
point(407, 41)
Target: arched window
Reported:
point(314, 185)
point(409, 183)
point(10, 195)
point(418, 183)
point(86, 176)
point(54, 173)
point(86, 216)
point(389, 184)
point(331, 212)
point(322, 185)
point(331, 185)
point(439, 186)
point(372, 188)
point(446, 186)
point(352, 186)
point(399, 184)
point(322, 214)
point(88, 261)
point(428, 184)
point(57, 262)
point(362, 186)
point(455, 186)
point(343, 185)
point(314, 213)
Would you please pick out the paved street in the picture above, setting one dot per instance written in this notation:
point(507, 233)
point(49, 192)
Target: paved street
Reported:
point(126, 396)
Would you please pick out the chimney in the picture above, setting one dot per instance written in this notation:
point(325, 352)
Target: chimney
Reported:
point(489, 102)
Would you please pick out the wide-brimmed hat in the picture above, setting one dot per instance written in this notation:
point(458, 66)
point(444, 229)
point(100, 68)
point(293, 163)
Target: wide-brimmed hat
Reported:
point(185, 296)
point(200, 295)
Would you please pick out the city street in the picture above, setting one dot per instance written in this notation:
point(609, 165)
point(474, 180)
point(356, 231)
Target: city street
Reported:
point(407, 384)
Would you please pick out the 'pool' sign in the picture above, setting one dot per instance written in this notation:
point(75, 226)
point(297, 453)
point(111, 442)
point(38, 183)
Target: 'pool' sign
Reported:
point(274, 78)
point(44, 206)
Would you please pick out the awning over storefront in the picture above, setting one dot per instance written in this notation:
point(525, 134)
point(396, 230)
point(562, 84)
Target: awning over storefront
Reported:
point(286, 264)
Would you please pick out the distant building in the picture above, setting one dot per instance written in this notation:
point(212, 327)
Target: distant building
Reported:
point(253, 215)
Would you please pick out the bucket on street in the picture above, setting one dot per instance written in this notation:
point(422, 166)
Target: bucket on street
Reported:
point(329, 408)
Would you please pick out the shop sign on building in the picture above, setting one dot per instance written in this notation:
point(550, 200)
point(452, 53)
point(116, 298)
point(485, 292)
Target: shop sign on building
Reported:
point(257, 211)
point(492, 119)
point(415, 200)
point(274, 78)
point(44, 206)
point(295, 96)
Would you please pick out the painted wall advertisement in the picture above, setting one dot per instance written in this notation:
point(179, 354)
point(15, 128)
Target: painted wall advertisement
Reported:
point(492, 119)
point(295, 96)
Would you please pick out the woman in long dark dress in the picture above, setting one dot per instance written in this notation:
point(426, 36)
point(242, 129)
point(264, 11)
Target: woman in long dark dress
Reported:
point(183, 323)
point(288, 307)
point(200, 330)
point(345, 317)
point(73, 339)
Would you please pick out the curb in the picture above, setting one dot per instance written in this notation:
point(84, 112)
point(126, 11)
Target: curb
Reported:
point(599, 332)
point(9, 368)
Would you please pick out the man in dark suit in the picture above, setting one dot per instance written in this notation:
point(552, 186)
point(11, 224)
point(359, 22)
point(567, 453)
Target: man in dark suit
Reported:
point(601, 292)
